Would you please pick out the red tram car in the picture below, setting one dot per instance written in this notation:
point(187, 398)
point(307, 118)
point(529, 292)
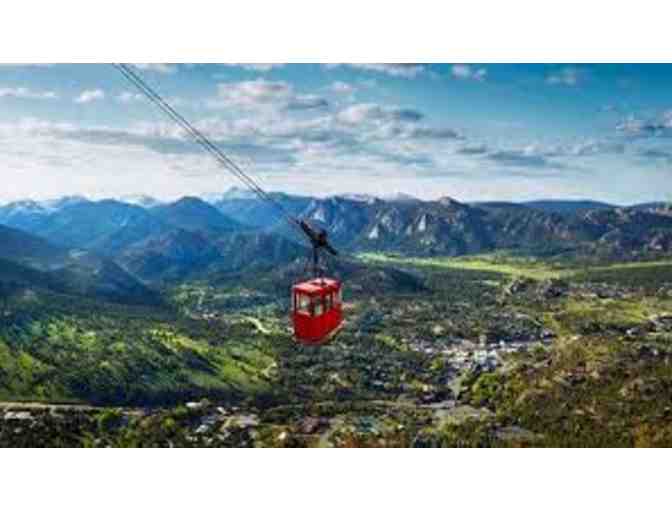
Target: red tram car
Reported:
point(316, 310)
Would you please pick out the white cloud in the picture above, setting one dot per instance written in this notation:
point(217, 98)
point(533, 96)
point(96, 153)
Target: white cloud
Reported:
point(130, 97)
point(261, 68)
point(544, 155)
point(88, 96)
point(307, 102)
point(568, 76)
point(26, 93)
point(44, 159)
point(467, 72)
point(370, 133)
point(657, 127)
point(594, 148)
point(396, 70)
point(265, 94)
point(253, 93)
point(371, 112)
point(158, 68)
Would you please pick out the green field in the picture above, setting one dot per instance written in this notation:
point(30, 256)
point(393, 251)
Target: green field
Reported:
point(535, 269)
point(595, 370)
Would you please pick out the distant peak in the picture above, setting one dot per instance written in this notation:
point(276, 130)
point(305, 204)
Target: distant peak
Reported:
point(448, 201)
point(141, 200)
point(57, 203)
point(236, 192)
point(358, 197)
point(400, 196)
point(190, 201)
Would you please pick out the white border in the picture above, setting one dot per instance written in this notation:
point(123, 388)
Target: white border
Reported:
point(320, 479)
point(347, 30)
point(351, 31)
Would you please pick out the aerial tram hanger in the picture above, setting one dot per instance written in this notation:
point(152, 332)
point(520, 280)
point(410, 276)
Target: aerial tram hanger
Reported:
point(316, 304)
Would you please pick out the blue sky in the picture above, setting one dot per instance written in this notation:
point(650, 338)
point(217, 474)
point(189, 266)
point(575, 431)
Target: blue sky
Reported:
point(472, 132)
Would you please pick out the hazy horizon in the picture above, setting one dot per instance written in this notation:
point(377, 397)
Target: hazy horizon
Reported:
point(209, 196)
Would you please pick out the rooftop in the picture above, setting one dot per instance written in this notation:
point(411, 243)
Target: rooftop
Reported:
point(317, 285)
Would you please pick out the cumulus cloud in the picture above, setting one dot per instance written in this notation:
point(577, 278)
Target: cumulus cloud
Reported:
point(41, 164)
point(263, 93)
point(530, 156)
point(643, 128)
point(89, 96)
point(371, 112)
point(467, 72)
point(366, 138)
point(161, 138)
point(396, 70)
point(567, 76)
point(26, 93)
point(368, 134)
point(290, 150)
point(542, 155)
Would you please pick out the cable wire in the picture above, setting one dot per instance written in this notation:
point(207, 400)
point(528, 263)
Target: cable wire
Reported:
point(224, 160)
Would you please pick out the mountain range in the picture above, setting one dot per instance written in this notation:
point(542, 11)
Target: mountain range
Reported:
point(121, 249)
point(29, 263)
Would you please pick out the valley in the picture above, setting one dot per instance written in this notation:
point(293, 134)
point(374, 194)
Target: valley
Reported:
point(455, 334)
